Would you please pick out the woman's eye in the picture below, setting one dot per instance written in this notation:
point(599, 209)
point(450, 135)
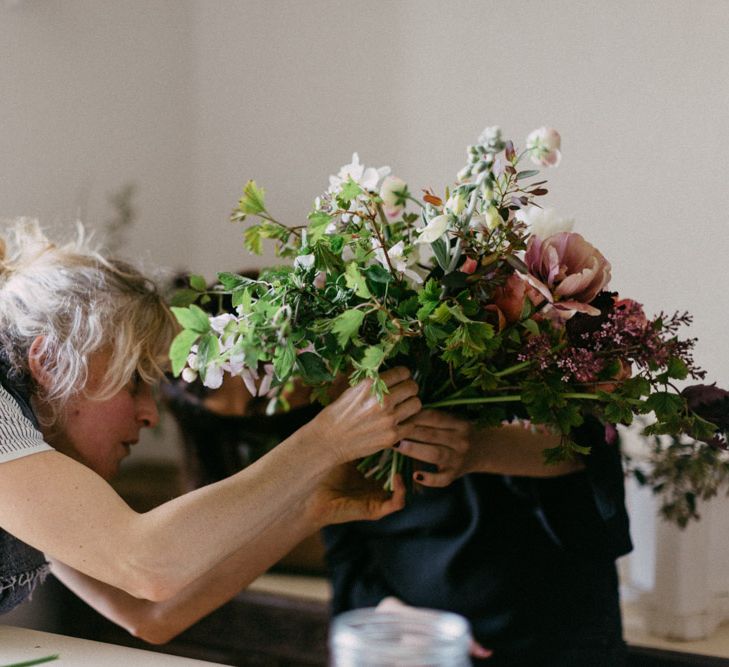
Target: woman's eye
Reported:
point(135, 383)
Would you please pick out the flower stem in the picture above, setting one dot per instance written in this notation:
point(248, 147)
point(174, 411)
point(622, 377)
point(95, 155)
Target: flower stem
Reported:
point(513, 369)
point(474, 401)
point(514, 398)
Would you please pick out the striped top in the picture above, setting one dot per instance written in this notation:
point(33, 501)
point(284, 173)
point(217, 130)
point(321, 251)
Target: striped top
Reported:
point(18, 436)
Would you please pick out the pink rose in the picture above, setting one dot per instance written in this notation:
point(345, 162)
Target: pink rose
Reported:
point(568, 271)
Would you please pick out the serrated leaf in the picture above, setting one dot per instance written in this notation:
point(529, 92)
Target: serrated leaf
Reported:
point(193, 318)
point(372, 358)
point(253, 240)
point(180, 350)
point(318, 222)
point(283, 361)
point(378, 274)
point(313, 369)
point(677, 369)
point(183, 298)
point(665, 404)
point(441, 314)
point(232, 281)
point(346, 326)
point(350, 189)
point(252, 200)
point(356, 281)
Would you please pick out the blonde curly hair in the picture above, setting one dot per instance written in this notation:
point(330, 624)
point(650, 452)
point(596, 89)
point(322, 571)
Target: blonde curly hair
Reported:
point(78, 302)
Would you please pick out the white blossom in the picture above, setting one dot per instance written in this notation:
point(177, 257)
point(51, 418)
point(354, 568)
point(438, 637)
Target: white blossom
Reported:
point(398, 260)
point(219, 322)
point(368, 179)
point(435, 228)
point(304, 262)
point(544, 222)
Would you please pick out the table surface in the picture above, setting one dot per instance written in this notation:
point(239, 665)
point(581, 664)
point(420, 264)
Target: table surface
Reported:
point(21, 644)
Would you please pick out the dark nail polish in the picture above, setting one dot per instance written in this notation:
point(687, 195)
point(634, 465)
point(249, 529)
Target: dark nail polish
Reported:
point(397, 444)
point(419, 477)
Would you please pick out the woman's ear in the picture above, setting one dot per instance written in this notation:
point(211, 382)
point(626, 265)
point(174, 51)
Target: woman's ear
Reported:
point(37, 363)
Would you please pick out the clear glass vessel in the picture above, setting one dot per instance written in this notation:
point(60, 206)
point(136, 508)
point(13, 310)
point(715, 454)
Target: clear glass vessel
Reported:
point(404, 638)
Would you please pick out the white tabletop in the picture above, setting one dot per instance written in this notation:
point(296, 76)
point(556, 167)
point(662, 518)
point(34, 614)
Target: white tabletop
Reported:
point(21, 644)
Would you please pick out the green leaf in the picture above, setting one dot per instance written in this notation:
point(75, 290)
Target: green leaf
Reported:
point(665, 404)
point(184, 297)
point(346, 326)
point(350, 190)
point(207, 350)
point(180, 349)
point(618, 412)
point(378, 274)
point(527, 173)
point(531, 326)
point(193, 318)
point(442, 255)
point(232, 281)
point(243, 298)
point(198, 283)
point(252, 200)
point(313, 369)
point(318, 222)
point(356, 281)
point(372, 358)
point(283, 361)
point(325, 259)
point(677, 369)
point(253, 240)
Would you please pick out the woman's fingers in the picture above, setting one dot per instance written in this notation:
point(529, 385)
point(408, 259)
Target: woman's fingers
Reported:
point(442, 420)
point(393, 376)
point(427, 453)
point(401, 391)
point(437, 436)
point(405, 411)
point(435, 479)
point(392, 504)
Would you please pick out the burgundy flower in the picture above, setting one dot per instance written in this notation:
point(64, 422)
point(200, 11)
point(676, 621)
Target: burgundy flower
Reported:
point(581, 327)
point(709, 402)
point(568, 271)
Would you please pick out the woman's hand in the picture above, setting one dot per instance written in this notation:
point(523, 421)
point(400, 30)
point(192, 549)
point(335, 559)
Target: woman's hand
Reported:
point(443, 440)
point(457, 447)
point(357, 424)
point(346, 495)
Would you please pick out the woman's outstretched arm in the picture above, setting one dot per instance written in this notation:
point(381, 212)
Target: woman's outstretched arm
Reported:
point(64, 509)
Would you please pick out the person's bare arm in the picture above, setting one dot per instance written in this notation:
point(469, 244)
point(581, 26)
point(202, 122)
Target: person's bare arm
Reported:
point(67, 511)
point(158, 622)
point(458, 447)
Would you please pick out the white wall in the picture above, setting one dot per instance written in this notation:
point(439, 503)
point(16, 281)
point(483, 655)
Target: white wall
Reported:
point(286, 90)
point(93, 95)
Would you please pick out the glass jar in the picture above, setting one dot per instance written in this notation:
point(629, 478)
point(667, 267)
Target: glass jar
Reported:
point(401, 638)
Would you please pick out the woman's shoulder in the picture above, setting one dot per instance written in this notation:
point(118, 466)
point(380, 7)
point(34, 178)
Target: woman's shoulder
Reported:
point(19, 436)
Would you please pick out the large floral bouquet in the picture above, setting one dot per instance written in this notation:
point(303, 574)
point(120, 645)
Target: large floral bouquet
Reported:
point(500, 310)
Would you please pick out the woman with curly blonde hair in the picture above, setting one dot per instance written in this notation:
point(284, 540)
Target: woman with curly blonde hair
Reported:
point(82, 340)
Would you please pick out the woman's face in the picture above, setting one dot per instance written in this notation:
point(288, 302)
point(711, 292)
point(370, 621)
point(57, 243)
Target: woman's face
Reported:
point(99, 434)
